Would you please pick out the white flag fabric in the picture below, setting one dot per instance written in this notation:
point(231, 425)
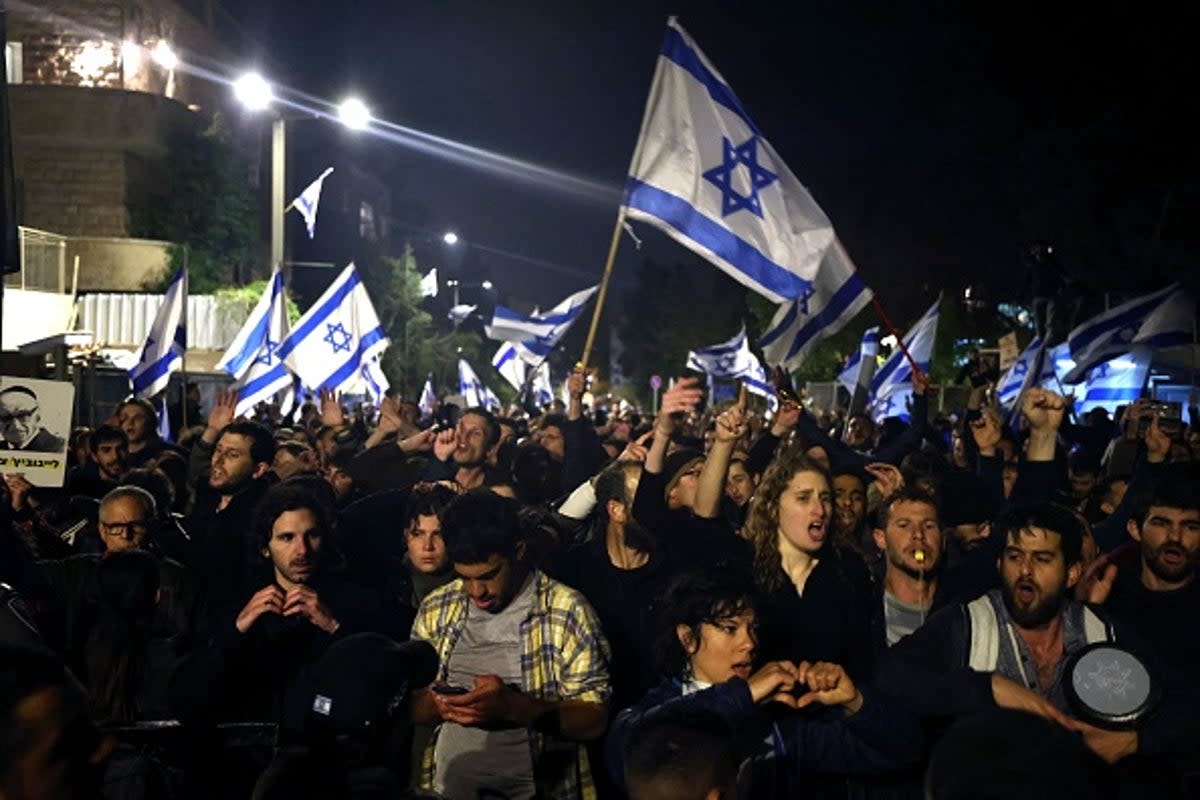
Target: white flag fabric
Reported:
point(536, 335)
point(1018, 380)
point(835, 297)
point(332, 339)
point(730, 359)
point(428, 397)
point(892, 384)
point(757, 382)
point(253, 358)
point(510, 366)
point(1116, 382)
point(162, 353)
point(1114, 332)
point(308, 200)
point(704, 173)
point(460, 312)
point(474, 391)
point(371, 374)
point(543, 387)
point(860, 369)
point(429, 284)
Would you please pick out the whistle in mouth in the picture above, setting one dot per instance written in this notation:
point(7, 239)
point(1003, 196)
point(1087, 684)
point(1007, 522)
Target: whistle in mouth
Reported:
point(919, 555)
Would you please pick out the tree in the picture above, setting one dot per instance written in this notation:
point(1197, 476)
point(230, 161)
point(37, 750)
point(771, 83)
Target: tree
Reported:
point(202, 200)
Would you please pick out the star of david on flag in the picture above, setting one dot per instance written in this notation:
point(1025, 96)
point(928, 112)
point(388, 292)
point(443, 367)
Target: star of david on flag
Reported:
point(253, 357)
point(729, 359)
point(474, 391)
point(705, 174)
point(333, 339)
point(1159, 319)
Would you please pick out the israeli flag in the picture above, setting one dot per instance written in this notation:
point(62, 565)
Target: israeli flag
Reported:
point(543, 387)
point(835, 297)
point(534, 336)
point(510, 366)
point(704, 173)
point(165, 345)
point(860, 369)
point(1115, 331)
point(757, 382)
point(308, 200)
point(253, 360)
point(729, 359)
point(371, 374)
point(474, 391)
point(428, 397)
point(1116, 382)
point(333, 339)
point(429, 284)
point(892, 385)
point(1017, 380)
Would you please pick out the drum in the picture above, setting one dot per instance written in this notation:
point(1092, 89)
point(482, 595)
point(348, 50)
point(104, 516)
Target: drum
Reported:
point(1109, 687)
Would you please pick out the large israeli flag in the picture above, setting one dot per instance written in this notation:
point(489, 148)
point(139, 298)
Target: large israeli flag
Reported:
point(534, 336)
point(1116, 382)
point(1158, 319)
point(333, 339)
point(474, 391)
point(1024, 374)
point(860, 369)
point(253, 359)
point(165, 345)
point(729, 359)
point(308, 200)
point(892, 384)
point(704, 173)
point(510, 366)
point(836, 296)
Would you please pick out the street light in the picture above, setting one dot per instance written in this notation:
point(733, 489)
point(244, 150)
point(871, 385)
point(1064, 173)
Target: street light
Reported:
point(354, 114)
point(164, 55)
point(253, 91)
point(450, 238)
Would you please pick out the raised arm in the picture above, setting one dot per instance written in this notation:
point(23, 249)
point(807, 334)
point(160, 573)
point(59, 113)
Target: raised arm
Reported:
point(731, 425)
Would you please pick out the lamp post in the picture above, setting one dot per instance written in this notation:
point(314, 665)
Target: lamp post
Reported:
point(254, 92)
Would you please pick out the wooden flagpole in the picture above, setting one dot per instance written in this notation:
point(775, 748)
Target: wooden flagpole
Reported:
point(892, 329)
point(608, 267)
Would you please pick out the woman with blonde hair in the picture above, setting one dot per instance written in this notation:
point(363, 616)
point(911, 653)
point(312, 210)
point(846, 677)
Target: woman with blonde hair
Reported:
point(817, 597)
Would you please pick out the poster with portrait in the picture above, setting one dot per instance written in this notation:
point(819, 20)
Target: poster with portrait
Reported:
point(35, 421)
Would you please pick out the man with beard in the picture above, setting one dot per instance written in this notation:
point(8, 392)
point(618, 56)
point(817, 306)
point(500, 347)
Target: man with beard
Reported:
point(461, 454)
point(238, 456)
point(108, 452)
point(1159, 592)
point(1009, 647)
point(910, 537)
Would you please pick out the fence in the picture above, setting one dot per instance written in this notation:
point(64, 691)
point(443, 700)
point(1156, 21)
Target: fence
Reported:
point(43, 262)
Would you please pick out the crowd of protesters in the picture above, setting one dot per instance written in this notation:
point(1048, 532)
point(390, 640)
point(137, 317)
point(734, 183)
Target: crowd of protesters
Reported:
point(578, 602)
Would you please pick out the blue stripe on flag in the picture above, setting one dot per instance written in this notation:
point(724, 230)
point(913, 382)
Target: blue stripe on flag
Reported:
point(275, 374)
point(252, 347)
point(782, 327)
point(331, 304)
point(343, 373)
point(1122, 393)
point(730, 248)
point(837, 305)
point(1132, 316)
point(676, 49)
point(152, 373)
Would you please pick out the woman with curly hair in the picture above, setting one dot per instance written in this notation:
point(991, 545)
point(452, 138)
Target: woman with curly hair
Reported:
point(816, 596)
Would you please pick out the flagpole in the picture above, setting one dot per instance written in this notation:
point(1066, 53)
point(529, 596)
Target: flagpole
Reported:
point(608, 267)
point(183, 425)
point(892, 329)
point(616, 237)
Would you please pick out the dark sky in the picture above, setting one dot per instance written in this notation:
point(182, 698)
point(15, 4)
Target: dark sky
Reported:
point(936, 142)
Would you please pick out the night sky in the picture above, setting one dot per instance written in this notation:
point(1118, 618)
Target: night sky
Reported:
point(936, 142)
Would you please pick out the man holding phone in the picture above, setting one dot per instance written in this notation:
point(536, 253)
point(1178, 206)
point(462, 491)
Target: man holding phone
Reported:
point(523, 678)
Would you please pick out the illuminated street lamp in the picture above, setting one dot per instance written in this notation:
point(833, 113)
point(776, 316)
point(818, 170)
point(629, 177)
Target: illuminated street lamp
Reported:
point(354, 114)
point(253, 91)
point(450, 238)
point(164, 55)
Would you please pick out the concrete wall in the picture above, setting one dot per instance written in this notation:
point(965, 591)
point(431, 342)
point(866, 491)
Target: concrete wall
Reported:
point(117, 265)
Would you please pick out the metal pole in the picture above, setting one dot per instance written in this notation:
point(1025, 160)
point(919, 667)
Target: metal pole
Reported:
point(278, 159)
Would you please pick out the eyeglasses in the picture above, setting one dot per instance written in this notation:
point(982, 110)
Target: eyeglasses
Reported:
point(18, 416)
point(124, 529)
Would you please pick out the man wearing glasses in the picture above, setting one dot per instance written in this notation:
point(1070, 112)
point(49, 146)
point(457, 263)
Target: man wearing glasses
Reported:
point(21, 423)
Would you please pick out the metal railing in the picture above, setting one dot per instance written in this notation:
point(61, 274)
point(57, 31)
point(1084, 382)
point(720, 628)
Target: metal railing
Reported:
point(43, 262)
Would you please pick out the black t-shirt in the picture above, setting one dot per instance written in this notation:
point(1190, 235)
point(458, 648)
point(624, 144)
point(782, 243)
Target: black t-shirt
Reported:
point(1164, 620)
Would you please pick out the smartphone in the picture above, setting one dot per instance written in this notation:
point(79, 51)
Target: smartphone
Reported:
point(449, 689)
point(1170, 419)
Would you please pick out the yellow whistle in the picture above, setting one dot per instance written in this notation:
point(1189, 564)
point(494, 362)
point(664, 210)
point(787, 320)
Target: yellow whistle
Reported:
point(919, 555)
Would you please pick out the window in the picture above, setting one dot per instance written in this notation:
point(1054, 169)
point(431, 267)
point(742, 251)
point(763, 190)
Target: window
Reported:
point(366, 221)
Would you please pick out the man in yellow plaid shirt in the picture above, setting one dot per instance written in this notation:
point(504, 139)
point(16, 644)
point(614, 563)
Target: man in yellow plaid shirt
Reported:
point(523, 678)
